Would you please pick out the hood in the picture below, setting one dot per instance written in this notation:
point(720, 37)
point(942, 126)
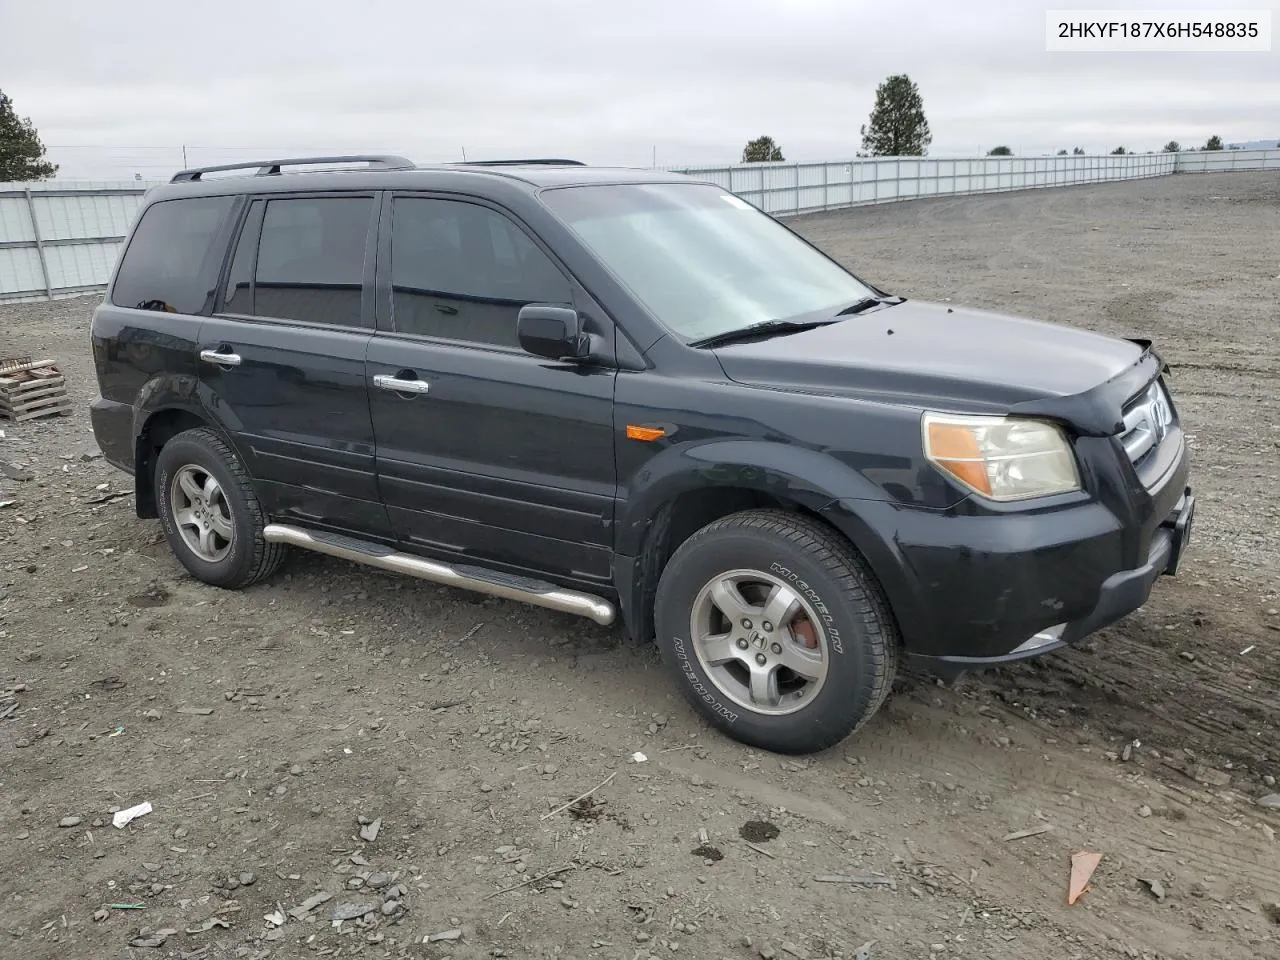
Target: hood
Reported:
point(935, 355)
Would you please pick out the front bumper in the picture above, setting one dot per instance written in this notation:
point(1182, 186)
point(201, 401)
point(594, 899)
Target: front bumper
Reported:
point(973, 587)
point(1120, 594)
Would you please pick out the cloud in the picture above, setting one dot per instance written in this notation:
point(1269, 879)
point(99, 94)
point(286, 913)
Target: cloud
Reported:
point(116, 89)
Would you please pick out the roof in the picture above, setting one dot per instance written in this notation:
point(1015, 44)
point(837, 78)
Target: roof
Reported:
point(395, 173)
point(554, 176)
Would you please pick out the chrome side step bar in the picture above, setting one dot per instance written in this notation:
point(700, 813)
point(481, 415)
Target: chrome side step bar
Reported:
point(491, 582)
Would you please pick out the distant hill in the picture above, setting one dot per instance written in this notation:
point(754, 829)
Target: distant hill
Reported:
point(1272, 144)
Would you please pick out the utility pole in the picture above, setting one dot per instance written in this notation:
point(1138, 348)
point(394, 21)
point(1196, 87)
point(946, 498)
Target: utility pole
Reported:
point(464, 154)
point(184, 156)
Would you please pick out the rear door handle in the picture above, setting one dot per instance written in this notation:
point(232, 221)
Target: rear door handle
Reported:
point(386, 381)
point(221, 359)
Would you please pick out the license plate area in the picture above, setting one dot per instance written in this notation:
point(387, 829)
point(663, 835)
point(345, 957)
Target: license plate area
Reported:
point(1179, 524)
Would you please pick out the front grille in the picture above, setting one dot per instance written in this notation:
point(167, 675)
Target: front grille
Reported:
point(1148, 417)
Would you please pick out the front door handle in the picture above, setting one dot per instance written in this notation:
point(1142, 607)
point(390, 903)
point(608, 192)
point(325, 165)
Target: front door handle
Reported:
point(386, 381)
point(221, 359)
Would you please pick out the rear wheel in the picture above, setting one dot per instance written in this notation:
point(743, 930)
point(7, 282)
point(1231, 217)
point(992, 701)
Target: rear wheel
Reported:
point(210, 513)
point(777, 630)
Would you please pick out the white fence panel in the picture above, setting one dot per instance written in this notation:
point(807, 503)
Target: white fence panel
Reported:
point(15, 220)
point(81, 266)
point(1226, 161)
point(20, 272)
point(62, 239)
point(80, 216)
point(787, 189)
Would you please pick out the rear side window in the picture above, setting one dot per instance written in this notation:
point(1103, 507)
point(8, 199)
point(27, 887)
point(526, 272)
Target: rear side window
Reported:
point(310, 263)
point(173, 259)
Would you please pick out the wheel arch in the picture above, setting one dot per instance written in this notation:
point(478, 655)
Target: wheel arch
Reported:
point(684, 490)
point(152, 430)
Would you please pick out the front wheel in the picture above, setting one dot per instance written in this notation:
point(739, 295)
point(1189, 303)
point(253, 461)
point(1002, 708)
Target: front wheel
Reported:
point(777, 629)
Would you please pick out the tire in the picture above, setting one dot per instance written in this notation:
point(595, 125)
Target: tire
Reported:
point(216, 535)
point(802, 566)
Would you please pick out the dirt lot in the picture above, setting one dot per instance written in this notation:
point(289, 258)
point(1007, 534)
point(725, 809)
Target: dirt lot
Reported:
point(268, 727)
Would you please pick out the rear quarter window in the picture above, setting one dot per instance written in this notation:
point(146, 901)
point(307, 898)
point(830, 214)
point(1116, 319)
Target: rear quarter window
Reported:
point(173, 258)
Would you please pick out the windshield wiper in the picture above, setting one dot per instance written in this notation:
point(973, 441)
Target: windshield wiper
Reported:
point(765, 328)
point(866, 303)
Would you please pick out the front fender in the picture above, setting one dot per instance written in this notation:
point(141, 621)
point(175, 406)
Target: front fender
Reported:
point(801, 475)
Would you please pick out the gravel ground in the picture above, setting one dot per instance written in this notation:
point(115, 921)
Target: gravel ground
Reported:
point(343, 763)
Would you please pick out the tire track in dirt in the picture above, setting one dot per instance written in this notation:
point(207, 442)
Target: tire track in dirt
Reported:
point(1020, 787)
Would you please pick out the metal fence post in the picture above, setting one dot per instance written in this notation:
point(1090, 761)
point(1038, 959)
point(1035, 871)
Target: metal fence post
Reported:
point(35, 232)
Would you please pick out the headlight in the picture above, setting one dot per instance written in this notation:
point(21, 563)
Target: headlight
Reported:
point(1003, 458)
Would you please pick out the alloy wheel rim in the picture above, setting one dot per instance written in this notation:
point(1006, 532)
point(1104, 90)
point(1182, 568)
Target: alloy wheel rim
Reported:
point(201, 513)
point(759, 642)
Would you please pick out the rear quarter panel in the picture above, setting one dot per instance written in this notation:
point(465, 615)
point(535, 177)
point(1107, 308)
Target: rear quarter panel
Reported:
point(139, 353)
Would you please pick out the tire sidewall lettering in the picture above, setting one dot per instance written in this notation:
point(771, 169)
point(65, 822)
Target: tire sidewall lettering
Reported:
point(700, 688)
point(164, 500)
point(811, 595)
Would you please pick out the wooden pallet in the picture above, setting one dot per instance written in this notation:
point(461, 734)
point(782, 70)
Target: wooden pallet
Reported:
point(31, 389)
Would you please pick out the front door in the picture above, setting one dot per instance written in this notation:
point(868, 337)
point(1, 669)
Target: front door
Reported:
point(282, 359)
point(485, 453)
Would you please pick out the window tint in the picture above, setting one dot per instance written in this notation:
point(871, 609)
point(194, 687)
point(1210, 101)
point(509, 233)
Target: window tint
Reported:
point(172, 260)
point(462, 271)
point(238, 295)
point(311, 259)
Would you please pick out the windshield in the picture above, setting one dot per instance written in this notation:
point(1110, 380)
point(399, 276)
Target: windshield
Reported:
point(702, 260)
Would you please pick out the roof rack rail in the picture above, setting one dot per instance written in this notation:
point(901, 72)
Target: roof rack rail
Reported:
point(268, 168)
point(548, 161)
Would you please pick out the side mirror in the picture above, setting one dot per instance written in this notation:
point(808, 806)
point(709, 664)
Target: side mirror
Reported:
point(551, 332)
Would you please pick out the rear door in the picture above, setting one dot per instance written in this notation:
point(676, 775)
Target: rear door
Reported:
point(282, 358)
point(492, 456)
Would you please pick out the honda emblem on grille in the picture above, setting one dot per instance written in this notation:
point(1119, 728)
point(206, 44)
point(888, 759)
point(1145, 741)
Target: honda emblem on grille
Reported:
point(1161, 416)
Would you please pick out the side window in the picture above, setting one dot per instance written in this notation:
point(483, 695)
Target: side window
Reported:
point(462, 271)
point(311, 259)
point(238, 296)
point(173, 259)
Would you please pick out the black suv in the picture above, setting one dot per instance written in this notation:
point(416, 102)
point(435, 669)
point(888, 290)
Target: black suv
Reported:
point(610, 390)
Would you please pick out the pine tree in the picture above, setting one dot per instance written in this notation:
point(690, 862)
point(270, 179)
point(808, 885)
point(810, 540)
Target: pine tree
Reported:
point(898, 127)
point(21, 152)
point(761, 150)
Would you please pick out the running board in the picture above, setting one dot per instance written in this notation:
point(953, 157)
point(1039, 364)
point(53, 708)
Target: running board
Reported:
point(536, 592)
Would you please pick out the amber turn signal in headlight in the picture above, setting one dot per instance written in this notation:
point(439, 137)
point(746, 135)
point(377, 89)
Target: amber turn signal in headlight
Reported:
point(1003, 458)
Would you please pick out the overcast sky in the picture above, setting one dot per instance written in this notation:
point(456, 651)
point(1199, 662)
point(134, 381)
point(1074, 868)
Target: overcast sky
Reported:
point(117, 88)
